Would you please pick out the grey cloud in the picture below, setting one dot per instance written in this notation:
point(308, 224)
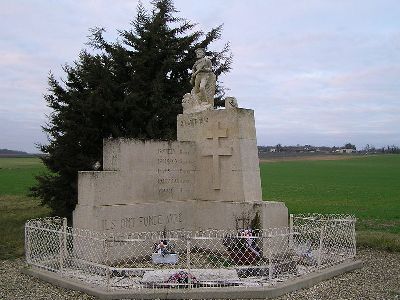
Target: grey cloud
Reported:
point(318, 72)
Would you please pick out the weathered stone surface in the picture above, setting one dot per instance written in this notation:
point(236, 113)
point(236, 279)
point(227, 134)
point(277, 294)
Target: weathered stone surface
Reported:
point(146, 172)
point(208, 179)
point(180, 215)
point(99, 188)
point(192, 127)
point(226, 142)
point(231, 102)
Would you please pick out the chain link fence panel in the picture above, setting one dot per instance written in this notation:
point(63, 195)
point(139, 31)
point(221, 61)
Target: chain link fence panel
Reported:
point(211, 258)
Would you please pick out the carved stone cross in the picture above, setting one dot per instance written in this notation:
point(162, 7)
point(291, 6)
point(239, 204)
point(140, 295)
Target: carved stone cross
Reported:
point(215, 133)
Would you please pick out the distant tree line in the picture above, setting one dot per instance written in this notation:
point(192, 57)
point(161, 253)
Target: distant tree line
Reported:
point(327, 149)
point(387, 149)
point(12, 152)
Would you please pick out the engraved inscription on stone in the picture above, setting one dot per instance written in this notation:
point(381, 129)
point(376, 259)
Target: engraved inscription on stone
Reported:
point(174, 177)
point(193, 121)
point(141, 222)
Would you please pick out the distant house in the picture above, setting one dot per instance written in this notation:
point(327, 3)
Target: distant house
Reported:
point(272, 150)
point(346, 151)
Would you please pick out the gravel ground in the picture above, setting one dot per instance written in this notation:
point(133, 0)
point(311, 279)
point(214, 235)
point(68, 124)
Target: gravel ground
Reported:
point(379, 279)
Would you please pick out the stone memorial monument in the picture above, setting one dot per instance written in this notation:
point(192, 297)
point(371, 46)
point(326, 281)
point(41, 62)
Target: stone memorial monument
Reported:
point(208, 178)
point(139, 208)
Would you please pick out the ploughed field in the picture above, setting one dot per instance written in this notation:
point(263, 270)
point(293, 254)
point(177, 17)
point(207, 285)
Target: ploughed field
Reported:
point(368, 187)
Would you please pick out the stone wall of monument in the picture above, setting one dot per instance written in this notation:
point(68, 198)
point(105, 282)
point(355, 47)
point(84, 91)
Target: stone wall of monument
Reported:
point(208, 179)
point(227, 157)
point(140, 172)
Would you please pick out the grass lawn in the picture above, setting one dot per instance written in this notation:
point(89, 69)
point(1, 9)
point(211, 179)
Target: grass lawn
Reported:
point(16, 175)
point(368, 187)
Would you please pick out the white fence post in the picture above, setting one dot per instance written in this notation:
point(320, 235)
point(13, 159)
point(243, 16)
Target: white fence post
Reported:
point(291, 231)
point(354, 237)
point(65, 251)
point(321, 243)
point(270, 264)
point(106, 262)
point(188, 250)
point(27, 244)
point(62, 243)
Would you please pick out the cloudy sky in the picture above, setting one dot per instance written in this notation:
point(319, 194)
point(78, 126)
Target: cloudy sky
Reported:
point(315, 72)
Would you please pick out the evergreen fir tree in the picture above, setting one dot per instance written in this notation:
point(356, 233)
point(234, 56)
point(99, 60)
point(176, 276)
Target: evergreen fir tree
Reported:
point(129, 88)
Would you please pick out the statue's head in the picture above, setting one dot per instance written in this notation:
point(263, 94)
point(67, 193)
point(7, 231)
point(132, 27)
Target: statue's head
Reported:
point(200, 52)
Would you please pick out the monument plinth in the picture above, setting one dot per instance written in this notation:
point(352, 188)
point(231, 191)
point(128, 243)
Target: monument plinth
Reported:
point(181, 214)
point(227, 157)
point(209, 178)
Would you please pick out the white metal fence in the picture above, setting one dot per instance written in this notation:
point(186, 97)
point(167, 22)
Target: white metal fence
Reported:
point(209, 258)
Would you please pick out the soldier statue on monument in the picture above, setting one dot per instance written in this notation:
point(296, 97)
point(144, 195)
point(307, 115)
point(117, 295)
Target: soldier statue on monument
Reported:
point(204, 81)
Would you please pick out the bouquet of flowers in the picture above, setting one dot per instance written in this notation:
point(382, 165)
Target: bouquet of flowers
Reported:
point(163, 248)
point(242, 248)
point(182, 277)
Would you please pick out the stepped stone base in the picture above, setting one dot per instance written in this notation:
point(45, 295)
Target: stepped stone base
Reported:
point(180, 215)
point(209, 178)
point(248, 292)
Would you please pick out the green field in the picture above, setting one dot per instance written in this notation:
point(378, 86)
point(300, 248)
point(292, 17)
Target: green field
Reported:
point(368, 187)
point(16, 175)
